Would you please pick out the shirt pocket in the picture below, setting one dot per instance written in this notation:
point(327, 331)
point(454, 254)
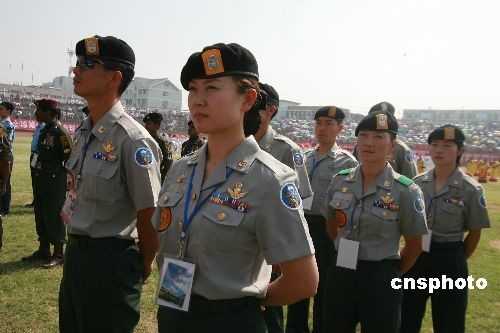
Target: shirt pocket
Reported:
point(104, 184)
point(222, 215)
point(387, 222)
point(342, 201)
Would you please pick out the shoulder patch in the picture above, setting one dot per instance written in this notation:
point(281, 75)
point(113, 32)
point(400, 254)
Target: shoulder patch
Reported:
point(143, 157)
point(405, 180)
point(290, 197)
point(344, 172)
point(482, 200)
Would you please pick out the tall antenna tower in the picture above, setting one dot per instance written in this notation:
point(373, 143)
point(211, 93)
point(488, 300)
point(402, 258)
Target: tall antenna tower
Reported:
point(70, 54)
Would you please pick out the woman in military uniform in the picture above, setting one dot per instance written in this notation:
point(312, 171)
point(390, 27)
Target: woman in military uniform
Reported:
point(231, 209)
point(455, 204)
point(368, 209)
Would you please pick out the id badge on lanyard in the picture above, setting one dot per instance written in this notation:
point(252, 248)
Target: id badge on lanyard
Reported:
point(177, 275)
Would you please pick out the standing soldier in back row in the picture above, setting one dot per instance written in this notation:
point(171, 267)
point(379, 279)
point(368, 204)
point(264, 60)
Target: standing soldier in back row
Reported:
point(288, 152)
point(323, 162)
point(54, 148)
point(402, 158)
point(193, 143)
point(152, 122)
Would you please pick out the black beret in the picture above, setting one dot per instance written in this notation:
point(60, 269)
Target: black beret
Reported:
point(384, 107)
point(154, 117)
point(269, 94)
point(9, 106)
point(378, 121)
point(219, 60)
point(47, 105)
point(447, 132)
point(107, 49)
point(330, 112)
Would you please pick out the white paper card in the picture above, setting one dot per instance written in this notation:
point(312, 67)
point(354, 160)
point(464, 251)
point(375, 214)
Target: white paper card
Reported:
point(426, 242)
point(175, 284)
point(347, 255)
point(307, 202)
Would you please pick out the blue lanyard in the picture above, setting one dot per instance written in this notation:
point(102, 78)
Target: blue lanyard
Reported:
point(189, 218)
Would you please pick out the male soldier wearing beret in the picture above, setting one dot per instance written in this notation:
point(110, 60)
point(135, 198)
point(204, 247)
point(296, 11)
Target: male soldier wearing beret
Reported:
point(323, 162)
point(152, 122)
point(49, 179)
point(193, 143)
point(115, 181)
point(402, 159)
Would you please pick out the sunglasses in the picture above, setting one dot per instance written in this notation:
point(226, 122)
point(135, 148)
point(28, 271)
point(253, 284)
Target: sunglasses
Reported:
point(86, 63)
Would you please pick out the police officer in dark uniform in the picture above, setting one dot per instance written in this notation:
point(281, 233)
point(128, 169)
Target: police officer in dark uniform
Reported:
point(402, 158)
point(152, 122)
point(193, 143)
point(368, 209)
point(49, 178)
point(455, 204)
point(115, 179)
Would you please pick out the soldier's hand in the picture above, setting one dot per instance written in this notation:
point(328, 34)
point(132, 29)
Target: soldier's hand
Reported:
point(147, 270)
point(332, 229)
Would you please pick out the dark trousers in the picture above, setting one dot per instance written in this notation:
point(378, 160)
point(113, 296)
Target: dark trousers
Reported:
point(50, 193)
point(273, 315)
point(362, 296)
point(241, 315)
point(298, 313)
point(448, 306)
point(101, 286)
point(5, 197)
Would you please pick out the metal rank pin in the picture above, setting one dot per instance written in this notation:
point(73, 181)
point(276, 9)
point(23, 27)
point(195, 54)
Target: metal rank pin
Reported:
point(221, 216)
point(101, 129)
point(344, 189)
point(242, 164)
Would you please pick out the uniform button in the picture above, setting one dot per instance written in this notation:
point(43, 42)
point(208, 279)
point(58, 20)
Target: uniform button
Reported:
point(385, 214)
point(221, 216)
point(194, 196)
point(337, 204)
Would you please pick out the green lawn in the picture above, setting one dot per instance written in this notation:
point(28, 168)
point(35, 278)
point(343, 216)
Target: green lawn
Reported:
point(28, 294)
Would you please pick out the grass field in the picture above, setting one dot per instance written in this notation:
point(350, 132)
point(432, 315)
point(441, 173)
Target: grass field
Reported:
point(28, 294)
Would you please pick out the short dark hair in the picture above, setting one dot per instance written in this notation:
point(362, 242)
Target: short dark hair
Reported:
point(9, 106)
point(127, 74)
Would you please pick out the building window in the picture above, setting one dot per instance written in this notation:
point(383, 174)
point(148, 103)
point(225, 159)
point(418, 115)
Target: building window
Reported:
point(165, 93)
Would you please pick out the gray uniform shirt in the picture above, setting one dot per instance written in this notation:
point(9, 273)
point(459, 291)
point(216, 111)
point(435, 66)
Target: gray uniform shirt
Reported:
point(321, 169)
point(390, 208)
point(403, 160)
point(117, 169)
point(459, 206)
point(288, 152)
point(254, 219)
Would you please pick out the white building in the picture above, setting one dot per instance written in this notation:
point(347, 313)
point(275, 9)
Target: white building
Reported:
point(153, 95)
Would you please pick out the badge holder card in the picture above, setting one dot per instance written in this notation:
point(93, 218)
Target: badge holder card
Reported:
point(347, 255)
point(307, 202)
point(176, 282)
point(426, 241)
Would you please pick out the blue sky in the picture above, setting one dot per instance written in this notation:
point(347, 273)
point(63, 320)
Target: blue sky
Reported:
point(415, 54)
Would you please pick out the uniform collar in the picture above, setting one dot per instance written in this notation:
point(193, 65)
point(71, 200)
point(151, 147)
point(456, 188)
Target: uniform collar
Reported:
point(240, 159)
point(386, 178)
point(456, 178)
point(102, 127)
point(267, 139)
point(332, 153)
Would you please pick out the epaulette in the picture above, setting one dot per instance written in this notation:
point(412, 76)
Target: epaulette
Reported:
point(404, 180)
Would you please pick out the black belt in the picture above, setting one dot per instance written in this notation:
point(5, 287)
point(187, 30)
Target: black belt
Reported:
point(446, 245)
point(86, 241)
point(314, 218)
point(201, 304)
